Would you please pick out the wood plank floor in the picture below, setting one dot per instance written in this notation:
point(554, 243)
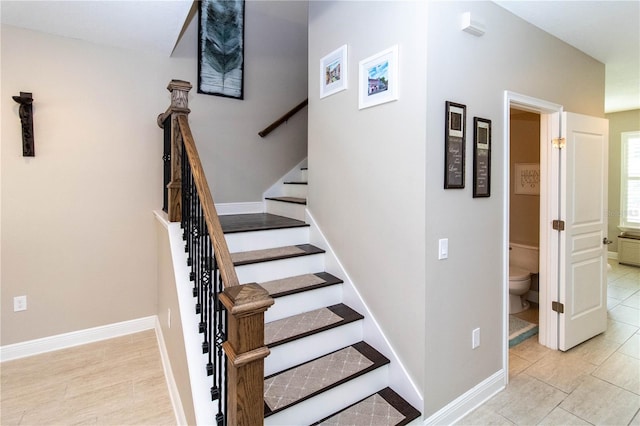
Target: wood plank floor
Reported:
point(113, 382)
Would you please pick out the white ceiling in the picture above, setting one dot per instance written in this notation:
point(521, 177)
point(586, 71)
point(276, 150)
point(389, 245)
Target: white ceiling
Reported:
point(609, 31)
point(145, 25)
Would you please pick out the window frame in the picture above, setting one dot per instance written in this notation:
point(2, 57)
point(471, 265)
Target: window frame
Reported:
point(625, 224)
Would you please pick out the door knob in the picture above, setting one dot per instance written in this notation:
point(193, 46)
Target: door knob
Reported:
point(606, 241)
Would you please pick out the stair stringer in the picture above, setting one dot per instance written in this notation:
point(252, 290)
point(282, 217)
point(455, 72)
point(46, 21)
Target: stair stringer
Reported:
point(277, 189)
point(399, 378)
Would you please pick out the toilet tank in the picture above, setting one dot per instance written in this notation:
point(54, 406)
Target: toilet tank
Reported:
point(525, 257)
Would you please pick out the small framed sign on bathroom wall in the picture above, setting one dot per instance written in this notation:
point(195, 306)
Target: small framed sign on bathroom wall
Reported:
point(526, 179)
point(454, 145)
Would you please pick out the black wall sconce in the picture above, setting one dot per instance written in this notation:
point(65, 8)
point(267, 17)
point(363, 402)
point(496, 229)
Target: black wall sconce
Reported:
point(26, 118)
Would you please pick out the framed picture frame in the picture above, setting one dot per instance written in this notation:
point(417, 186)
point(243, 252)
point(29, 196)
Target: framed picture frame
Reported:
point(526, 179)
point(481, 157)
point(378, 78)
point(334, 72)
point(221, 48)
point(454, 144)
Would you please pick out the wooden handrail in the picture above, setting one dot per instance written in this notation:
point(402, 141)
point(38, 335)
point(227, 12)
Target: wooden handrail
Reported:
point(220, 248)
point(283, 119)
point(245, 304)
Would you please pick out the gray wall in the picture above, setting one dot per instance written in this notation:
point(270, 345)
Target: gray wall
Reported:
point(466, 290)
point(78, 234)
point(377, 174)
point(625, 121)
point(366, 167)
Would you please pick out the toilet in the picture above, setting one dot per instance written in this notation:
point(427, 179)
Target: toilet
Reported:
point(519, 284)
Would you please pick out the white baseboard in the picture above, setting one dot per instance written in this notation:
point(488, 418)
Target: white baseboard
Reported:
point(172, 386)
point(240, 208)
point(469, 401)
point(612, 255)
point(75, 338)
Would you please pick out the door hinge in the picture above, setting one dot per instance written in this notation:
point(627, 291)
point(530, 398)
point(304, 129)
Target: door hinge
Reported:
point(557, 307)
point(558, 225)
point(559, 142)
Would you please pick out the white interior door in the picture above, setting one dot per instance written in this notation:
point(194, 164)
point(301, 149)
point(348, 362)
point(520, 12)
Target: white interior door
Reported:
point(582, 251)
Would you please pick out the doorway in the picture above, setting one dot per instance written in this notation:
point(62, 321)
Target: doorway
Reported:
point(524, 220)
point(573, 197)
point(547, 259)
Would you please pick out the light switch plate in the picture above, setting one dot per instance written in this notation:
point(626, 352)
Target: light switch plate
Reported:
point(443, 248)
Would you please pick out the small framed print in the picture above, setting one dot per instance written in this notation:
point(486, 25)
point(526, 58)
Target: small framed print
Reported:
point(454, 145)
point(481, 157)
point(526, 179)
point(378, 78)
point(333, 72)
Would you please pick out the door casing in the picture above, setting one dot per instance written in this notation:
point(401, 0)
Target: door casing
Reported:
point(549, 206)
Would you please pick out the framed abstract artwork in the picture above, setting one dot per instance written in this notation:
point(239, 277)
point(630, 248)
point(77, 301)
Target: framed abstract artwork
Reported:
point(221, 48)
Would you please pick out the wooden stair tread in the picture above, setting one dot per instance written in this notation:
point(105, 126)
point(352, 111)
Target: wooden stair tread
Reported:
point(295, 183)
point(293, 200)
point(384, 408)
point(277, 253)
point(299, 283)
point(257, 222)
point(302, 325)
point(297, 384)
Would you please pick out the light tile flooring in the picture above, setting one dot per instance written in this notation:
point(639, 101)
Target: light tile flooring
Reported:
point(597, 382)
point(113, 382)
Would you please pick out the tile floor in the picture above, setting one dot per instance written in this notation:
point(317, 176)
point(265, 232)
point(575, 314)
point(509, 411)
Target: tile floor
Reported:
point(113, 382)
point(595, 383)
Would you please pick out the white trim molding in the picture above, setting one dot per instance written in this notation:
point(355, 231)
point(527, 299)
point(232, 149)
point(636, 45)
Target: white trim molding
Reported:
point(469, 401)
point(75, 338)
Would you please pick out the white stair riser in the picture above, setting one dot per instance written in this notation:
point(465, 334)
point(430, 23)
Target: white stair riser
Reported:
point(278, 269)
point(292, 210)
point(258, 240)
point(311, 347)
point(298, 303)
point(295, 190)
point(304, 175)
point(331, 401)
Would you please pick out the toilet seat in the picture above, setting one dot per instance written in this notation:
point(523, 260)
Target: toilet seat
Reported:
point(518, 274)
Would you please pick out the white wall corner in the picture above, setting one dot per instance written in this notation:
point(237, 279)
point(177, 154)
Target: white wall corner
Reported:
point(469, 401)
point(75, 338)
point(399, 378)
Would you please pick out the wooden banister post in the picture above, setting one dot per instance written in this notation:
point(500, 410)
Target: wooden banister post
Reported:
point(245, 351)
point(179, 106)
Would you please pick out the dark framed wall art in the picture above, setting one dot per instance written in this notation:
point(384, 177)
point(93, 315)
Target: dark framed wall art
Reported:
point(481, 157)
point(221, 48)
point(454, 145)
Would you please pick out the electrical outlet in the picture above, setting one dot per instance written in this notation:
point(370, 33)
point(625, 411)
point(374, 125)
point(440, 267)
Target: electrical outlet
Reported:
point(475, 338)
point(19, 303)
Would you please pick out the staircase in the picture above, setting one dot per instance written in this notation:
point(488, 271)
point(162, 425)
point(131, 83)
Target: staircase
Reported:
point(320, 370)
